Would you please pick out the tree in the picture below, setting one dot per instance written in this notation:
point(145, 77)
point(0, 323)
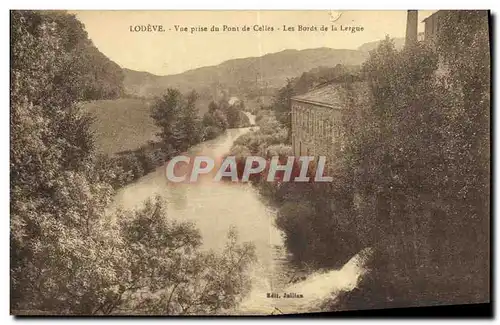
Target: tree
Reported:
point(421, 154)
point(190, 120)
point(177, 117)
point(214, 122)
point(232, 115)
point(212, 107)
point(282, 105)
point(82, 72)
point(412, 181)
point(55, 208)
point(164, 112)
point(464, 44)
point(68, 254)
point(164, 272)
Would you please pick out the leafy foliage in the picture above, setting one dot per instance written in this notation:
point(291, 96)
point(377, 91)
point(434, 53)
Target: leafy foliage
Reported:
point(413, 179)
point(180, 128)
point(270, 132)
point(81, 72)
point(69, 255)
point(57, 196)
point(417, 165)
point(214, 121)
point(165, 273)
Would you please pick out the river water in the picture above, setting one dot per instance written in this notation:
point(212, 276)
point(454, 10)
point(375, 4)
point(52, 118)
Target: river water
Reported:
point(215, 207)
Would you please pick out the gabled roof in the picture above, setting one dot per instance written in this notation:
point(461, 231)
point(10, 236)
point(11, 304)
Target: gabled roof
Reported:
point(430, 16)
point(328, 95)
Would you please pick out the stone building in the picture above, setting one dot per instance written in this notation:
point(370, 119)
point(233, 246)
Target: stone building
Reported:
point(315, 118)
point(316, 121)
point(316, 115)
point(432, 27)
point(430, 34)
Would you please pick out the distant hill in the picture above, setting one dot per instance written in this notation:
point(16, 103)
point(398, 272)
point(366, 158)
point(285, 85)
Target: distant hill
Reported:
point(367, 47)
point(125, 124)
point(242, 76)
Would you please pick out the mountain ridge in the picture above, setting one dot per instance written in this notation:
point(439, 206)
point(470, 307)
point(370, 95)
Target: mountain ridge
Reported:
point(241, 75)
point(258, 75)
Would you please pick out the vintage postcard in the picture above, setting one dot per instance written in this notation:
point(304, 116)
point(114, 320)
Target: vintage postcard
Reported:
point(248, 162)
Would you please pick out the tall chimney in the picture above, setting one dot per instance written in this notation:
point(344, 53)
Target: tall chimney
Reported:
point(411, 27)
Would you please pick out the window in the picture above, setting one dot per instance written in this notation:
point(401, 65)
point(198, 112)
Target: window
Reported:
point(309, 119)
point(312, 121)
point(308, 126)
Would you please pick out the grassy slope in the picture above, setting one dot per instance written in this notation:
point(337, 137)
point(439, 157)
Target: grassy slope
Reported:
point(125, 124)
point(121, 124)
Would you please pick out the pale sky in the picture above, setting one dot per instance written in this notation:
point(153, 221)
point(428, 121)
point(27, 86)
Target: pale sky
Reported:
point(172, 52)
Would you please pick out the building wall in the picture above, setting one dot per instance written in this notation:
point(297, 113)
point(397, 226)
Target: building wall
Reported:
point(315, 131)
point(431, 37)
point(431, 28)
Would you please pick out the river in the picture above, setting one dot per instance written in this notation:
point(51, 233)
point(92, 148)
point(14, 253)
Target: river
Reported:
point(216, 207)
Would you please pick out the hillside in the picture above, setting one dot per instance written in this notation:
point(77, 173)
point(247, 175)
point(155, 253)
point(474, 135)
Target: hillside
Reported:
point(125, 124)
point(121, 124)
point(243, 77)
point(367, 47)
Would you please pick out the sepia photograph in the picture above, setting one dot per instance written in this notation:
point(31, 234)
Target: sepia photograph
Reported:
point(249, 162)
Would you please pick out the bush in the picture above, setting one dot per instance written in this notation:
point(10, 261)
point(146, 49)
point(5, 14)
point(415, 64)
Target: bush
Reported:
point(211, 132)
point(244, 121)
point(68, 254)
point(165, 273)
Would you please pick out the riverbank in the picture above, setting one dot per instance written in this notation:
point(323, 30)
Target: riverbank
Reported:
point(130, 165)
point(217, 207)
